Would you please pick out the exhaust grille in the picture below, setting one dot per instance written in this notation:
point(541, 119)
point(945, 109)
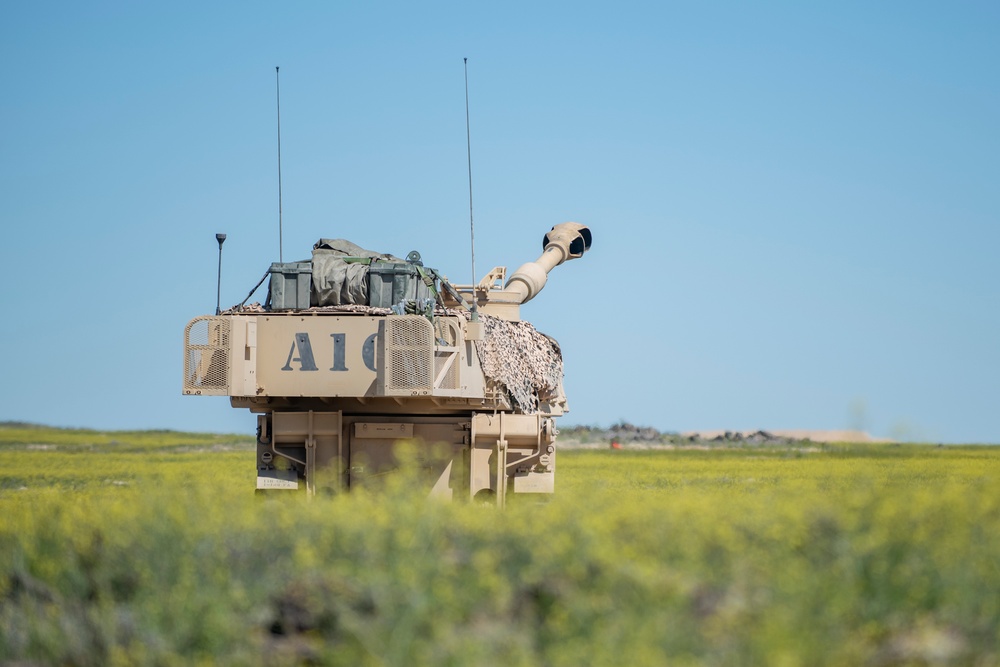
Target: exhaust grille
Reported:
point(409, 356)
point(206, 356)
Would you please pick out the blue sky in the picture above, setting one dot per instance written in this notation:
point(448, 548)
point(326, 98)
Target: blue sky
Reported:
point(795, 206)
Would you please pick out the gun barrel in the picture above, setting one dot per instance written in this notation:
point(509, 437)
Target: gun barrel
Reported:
point(565, 241)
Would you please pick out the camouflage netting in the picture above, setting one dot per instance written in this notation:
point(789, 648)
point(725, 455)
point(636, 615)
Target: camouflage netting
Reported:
point(527, 363)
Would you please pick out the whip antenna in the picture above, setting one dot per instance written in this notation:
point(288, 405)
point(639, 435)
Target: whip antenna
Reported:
point(472, 225)
point(277, 95)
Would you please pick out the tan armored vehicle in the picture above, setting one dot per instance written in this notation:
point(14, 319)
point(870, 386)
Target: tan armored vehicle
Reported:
point(359, 361)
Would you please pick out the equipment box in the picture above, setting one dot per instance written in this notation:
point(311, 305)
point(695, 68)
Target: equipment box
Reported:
point(291, 285)
point(391, 282)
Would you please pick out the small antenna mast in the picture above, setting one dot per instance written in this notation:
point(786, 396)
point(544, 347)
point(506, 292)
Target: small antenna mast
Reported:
point(472, 225)
point(221, 238)
point(277, 94)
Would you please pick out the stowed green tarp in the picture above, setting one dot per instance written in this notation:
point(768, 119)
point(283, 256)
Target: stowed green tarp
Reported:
point(336, 281)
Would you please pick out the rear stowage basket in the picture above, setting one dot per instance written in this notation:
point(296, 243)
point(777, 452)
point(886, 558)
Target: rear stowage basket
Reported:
point(206, 356)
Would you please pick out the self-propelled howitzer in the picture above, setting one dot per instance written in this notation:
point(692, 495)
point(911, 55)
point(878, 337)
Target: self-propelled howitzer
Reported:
point(359, 360)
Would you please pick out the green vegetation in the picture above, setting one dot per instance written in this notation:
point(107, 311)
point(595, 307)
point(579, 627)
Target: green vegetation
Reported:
point(151, 548)
point(22, 435)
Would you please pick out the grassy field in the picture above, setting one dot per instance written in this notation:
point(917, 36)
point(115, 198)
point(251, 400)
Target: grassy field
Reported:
point(151, 548)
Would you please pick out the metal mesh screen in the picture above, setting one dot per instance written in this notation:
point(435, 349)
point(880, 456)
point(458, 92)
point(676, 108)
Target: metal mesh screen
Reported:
point(409, 355)
point(206, 356)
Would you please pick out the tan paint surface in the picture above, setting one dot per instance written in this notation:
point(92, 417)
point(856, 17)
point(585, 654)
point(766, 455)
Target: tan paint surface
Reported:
point(277, 349)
